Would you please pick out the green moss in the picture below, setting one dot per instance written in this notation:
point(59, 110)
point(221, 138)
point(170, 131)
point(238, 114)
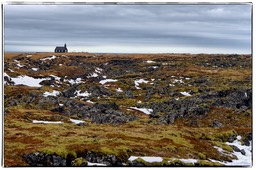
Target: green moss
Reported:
point(60, 152)
point(140, 160)
point(175, 162)
point(223, 136)
point(201, 156)
point(206, 137)
point(208, 163)
point(223, 146)
point(79, 162)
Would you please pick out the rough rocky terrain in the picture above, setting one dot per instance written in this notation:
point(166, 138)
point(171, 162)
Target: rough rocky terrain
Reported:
point(82, 109)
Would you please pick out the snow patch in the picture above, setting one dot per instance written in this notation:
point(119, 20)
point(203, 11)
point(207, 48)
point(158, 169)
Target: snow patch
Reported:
point(48, 58)
point(76, 81)
point(138, 82)
point(149, 159)
point(107, 81)
point(53, 93)
point(119, 90)
point(46, 122)
point(28, 81)
point(76, 121)
point(98, 70)
point(11, 70)
point(189, 160)
point(84, 94)
point(178, 81)
point(144, 110)
point(95, 164)
point(92, 75)
point(150, 61)
point(243, 160)
point(89, 101)
point(35, 69)
point(185, 93)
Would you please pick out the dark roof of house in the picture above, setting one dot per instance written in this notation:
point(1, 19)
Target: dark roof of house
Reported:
point(60, 48)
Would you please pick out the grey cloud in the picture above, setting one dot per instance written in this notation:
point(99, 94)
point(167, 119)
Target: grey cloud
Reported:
point(91, 25)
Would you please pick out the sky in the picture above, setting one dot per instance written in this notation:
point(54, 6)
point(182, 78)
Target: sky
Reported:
point(129, 28)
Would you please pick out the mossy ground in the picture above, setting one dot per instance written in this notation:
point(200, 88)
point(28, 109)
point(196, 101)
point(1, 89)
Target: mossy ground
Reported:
point(141, 137)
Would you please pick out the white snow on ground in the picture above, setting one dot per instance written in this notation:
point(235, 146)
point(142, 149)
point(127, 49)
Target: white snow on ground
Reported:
point(76, 81)
point(46, 122)
point(149, 159)
point(76, 121)
point(61, 104)
point(138, 82)
point(150, 61)
point(11, 70)
point(98, 70)
point(171, 85)
point(189, 160)
point(5, 74)
point(29, 56)
point(35, 69)
point(89, 101)
point(185, 93)
point(18, 63)
point(48, 58)
point(53, 93)
point(178, 81)
point(95, 164)
point(144, 110)
point(84, 94)
point(104, 77)
point(154, 67)
point(60, 64)
point(107, 81)
point(56, 77)
point(243, 160)
point(119, 90)
point(28, 81)
point(187, 78)
point(92, 75)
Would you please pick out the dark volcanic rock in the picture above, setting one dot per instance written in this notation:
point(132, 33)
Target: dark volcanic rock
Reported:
point(70, 92)
point(43, 159)
point(8, 80)
point(47, 82)
point(98, 91)
point(109, 160)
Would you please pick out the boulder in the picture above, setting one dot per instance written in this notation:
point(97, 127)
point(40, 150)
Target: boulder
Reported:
point(43, 159)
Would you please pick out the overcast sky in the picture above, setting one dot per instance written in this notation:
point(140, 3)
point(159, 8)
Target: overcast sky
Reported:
point(129, 28)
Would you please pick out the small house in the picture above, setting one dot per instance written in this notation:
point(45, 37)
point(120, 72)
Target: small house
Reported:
point(61, 49)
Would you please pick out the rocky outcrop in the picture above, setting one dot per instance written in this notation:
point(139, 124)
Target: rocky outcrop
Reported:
point(45, 160)
point(199, 106)
point(41, 159)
